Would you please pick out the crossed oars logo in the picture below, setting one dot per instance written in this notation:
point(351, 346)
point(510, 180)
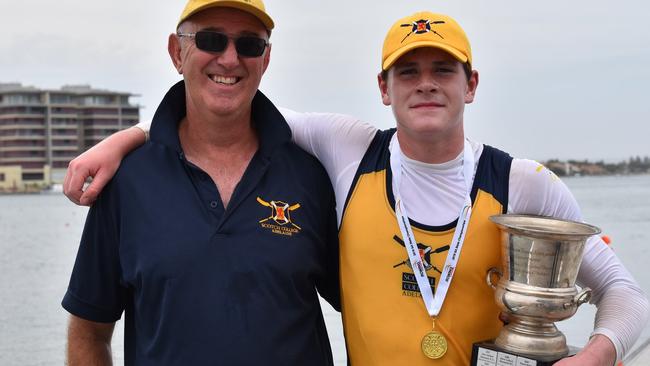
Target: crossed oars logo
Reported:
point(280, 212)
point(425, 254)
point(422, 26)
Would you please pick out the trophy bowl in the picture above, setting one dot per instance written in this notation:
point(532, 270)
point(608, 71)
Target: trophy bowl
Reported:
point(536, 287)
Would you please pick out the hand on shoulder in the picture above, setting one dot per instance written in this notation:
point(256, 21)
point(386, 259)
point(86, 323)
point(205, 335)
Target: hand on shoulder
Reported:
point(99, 163)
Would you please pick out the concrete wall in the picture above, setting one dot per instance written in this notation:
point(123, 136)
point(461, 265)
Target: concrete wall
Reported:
point(11, 178)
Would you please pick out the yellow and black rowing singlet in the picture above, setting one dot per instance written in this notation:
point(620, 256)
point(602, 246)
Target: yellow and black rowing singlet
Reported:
point(383, 314)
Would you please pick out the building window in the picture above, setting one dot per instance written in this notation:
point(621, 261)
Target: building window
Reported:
point(62, 110)
point(97, 100)
point(2, 177)
point(32, 176)
point(23, 99)
point(64, 154)
point(62, 99)
point(64, 122)
point(26, 165)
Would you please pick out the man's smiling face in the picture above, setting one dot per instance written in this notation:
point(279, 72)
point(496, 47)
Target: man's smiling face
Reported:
point(220, 83)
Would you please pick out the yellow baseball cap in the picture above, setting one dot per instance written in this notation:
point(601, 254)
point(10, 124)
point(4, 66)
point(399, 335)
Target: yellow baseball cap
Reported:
point(425, 29)
point(254, 7)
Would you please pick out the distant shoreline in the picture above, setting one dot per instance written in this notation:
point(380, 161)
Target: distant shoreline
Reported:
point(633, 166)
point(569, 168)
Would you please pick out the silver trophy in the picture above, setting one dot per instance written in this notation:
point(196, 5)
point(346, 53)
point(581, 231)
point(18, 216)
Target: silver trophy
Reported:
point(536, 287)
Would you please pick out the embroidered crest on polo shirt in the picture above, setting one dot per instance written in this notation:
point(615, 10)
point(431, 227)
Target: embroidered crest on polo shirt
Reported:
point(409, 284)
point(422, 26)
point(279, 222)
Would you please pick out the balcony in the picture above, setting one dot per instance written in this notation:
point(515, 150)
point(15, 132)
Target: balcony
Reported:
point(61, 161)
point(97, 136)
point(61, 137)
point(22, 137)
point(64, 126)
point(65, 143)
point(21, 127)
point(21, 148)
point(20, 160)
point(64, 115)
point(100, 130)
point(5, 116)
point(65, 148)
point(18, 104)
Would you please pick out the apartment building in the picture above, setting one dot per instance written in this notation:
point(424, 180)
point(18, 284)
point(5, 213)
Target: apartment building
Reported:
point(42, 130)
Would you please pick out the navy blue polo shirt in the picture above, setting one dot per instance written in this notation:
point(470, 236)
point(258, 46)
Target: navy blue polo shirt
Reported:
point(200, 285)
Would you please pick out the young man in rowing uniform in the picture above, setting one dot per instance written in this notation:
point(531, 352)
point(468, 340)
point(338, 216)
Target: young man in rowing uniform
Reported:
point(428, 168)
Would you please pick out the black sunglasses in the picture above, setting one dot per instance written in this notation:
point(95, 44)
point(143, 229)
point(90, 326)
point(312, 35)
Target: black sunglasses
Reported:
point(211, 41)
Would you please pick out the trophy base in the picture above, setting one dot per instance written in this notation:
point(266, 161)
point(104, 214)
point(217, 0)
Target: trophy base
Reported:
point(489, 354)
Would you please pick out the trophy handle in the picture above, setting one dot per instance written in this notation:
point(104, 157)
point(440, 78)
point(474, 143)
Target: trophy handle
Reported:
point(581, 298)
point(494, 271)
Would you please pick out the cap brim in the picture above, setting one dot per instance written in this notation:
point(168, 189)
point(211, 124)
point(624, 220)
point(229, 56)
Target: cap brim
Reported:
point(390, 60)
point(262, 16)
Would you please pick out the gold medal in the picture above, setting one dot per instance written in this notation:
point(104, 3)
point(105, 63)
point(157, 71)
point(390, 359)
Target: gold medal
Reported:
point(434, 345)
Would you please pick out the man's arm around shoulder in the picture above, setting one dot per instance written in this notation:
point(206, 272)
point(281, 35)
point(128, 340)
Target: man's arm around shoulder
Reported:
point(89, 343)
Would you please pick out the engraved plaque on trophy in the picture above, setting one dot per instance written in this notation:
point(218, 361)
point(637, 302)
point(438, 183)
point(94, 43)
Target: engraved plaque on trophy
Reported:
point(536, 287)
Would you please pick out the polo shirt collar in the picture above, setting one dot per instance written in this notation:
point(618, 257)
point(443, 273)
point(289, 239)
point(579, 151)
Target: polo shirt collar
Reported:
point(272, 129)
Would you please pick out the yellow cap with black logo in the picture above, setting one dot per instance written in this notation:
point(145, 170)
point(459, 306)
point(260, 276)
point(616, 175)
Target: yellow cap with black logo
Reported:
point(254, 7)
point(425, 29)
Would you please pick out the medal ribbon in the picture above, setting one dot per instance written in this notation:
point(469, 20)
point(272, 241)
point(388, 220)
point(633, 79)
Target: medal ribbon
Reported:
point(433, 304)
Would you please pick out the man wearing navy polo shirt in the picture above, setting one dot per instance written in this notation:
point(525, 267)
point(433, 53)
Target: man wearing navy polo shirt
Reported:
point(212, 237)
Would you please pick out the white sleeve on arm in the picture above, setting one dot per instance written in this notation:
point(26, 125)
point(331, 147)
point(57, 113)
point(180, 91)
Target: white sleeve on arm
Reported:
point(622, 306)
point(145, 126)
point(337, 140)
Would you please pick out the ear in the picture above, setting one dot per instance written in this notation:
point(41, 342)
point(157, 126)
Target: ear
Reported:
point(383, 89)
point(267, 58)
point(174, 49)
point(472, 84)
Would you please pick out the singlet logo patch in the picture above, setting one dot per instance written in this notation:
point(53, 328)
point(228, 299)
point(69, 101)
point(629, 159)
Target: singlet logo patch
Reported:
point(280, 218)
point(409, 284)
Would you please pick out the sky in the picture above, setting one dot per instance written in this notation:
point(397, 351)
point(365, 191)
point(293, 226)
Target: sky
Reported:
point(558, 79)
